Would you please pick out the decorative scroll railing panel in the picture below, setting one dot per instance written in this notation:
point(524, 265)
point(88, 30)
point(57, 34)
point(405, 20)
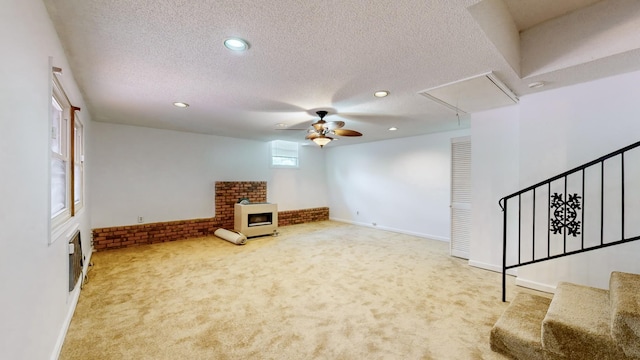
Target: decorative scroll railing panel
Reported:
point(590, 207)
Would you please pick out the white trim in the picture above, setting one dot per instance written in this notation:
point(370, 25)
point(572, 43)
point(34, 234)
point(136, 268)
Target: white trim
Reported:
point(400, 231)
point(72, 231)
point(57, 222)
point(460, 139)
point(77, 122)
point(66, 229)
point(49, 222)
point(458, 253)
point(503, 87)
point(535, 285)
point(492, 267)
point(65, 325)
point(74, 296)
point(458, 111)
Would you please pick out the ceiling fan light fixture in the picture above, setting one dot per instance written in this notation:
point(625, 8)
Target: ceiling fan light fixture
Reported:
point(181, 105)
point(381, 93)
point(236, 44)
point(322, 140)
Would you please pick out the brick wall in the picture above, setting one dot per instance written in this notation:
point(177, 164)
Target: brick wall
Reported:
point(134, 235)
point(293, 217)
point(227, 194)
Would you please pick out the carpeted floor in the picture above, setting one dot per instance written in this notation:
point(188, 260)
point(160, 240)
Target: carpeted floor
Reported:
point(325, 290)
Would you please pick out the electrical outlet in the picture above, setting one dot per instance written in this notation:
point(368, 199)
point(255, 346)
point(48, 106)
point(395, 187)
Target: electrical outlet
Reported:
point(140, 219)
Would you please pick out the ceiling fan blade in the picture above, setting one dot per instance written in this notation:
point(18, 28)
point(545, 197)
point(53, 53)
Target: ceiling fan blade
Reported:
point(332, 125)
point(346, 132)
point(312, 136)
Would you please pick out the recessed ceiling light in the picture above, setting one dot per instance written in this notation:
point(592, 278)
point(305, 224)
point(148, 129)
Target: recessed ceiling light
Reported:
point(236, 44)
point(536, 85)
point(393, 128)
point(281, 125)
point(180, 104)
point(381, 93)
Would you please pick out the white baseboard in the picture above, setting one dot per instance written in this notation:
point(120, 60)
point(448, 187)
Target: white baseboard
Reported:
point(492, 267)
point(535, 285)
point(73, 302)
point(400, 231)
point(485, 266)
point(74, 296)
point(460, 254)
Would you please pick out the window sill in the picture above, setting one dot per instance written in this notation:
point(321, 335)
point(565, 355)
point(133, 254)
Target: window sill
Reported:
point(65, 229)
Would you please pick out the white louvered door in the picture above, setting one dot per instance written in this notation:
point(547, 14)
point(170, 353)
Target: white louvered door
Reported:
point(461, 196)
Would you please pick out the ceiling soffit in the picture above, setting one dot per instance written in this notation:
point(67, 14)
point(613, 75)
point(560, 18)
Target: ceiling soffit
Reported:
point(596, 31)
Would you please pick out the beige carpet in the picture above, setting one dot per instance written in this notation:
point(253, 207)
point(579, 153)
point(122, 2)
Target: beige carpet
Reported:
point(323, 290)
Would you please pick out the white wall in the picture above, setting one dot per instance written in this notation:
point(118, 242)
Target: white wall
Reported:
point(494, 174)
point(401, 185)
point(300, 188)
point(35, 305)
point(557, 130)
point(165, 175)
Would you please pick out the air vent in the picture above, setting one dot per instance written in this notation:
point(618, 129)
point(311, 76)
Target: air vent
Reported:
point(477, 93)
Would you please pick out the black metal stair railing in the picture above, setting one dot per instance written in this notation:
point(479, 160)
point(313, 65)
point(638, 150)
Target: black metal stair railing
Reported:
point(583, 209)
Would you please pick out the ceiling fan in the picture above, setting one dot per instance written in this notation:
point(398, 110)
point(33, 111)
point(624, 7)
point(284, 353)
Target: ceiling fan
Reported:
point(320, 129)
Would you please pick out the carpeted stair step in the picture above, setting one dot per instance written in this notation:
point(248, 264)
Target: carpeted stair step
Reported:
point(517, 332)
point(578, 324)
point(624, 295)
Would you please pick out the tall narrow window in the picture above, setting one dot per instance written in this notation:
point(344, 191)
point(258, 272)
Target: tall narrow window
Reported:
point(78, 162)
point(60, 167)
point(284, 154)
point(66, 143)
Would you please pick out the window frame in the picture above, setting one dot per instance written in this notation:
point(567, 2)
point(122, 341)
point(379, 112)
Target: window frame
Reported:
point(59, 135)
point(77, 149)
point(278, 149)
point(66, 143)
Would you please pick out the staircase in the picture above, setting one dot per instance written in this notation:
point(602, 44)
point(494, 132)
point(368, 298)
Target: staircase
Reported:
point(580, 322)
point(583, 209)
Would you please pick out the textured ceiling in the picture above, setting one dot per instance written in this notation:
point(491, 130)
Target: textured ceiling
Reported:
point(133, 59)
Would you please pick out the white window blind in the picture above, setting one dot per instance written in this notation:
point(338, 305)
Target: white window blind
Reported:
point(284, 154)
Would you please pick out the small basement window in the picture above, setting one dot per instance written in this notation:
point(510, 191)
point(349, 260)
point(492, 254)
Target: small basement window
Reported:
point(284, 154)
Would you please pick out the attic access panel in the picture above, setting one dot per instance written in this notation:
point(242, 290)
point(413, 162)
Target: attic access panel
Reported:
point(478, 93)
